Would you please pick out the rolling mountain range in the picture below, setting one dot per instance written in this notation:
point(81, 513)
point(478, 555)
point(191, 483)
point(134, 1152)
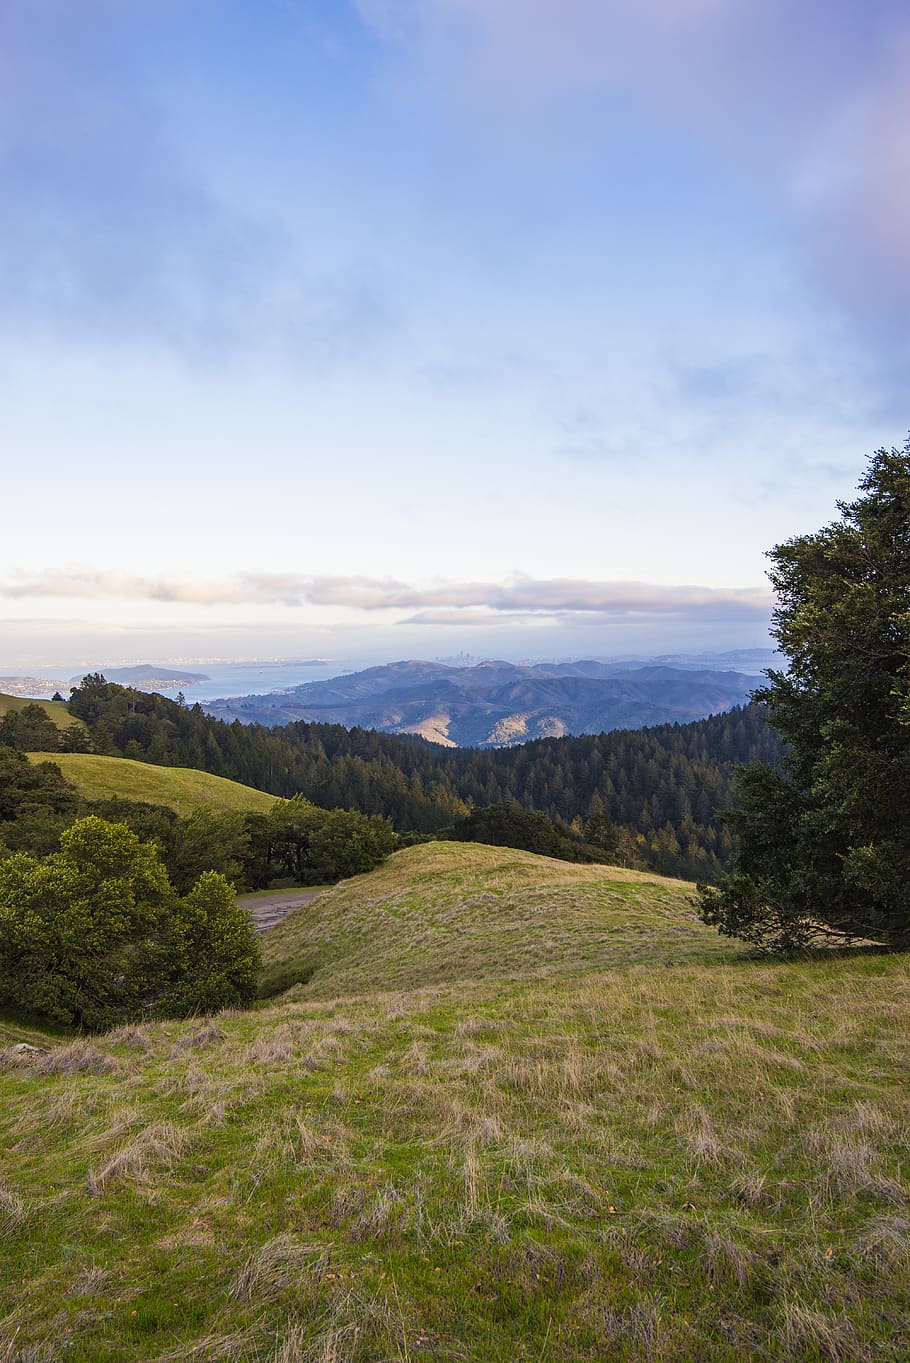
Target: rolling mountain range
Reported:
point(499, 704)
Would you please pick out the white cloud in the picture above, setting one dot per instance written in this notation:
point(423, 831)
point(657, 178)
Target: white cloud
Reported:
point(92, 584)
point(447, 602)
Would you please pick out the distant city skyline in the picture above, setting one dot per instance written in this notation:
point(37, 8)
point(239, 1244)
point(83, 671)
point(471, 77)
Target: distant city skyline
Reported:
point(402, 328)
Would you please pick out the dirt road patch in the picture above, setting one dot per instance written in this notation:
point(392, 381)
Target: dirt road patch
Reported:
point(271, 906)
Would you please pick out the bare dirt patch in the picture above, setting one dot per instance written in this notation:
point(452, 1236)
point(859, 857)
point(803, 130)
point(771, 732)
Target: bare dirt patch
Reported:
point(273, 906)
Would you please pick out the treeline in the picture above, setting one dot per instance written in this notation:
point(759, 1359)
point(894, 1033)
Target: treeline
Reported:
point(30, 729)
point(662, 788)
point(508, 825)
point(295, 841)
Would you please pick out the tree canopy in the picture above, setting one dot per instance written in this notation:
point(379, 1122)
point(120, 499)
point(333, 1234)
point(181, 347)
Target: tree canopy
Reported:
point(95, 934)
point(824, 844)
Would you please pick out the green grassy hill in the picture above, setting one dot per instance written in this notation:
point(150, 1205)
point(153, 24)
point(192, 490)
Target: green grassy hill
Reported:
point(54, 709)
point(463, 911)
point(603, 1134)
point(182, 788)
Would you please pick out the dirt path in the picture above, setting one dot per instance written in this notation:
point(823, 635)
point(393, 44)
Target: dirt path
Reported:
point(271, 906)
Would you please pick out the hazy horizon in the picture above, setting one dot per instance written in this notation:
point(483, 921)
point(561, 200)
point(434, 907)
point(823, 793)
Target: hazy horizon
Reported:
point(64, 665)
point(221, 678)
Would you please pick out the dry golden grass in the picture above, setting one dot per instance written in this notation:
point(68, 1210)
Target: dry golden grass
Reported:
point(151, 1153)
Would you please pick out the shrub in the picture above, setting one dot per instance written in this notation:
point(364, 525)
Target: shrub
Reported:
point(95, 934)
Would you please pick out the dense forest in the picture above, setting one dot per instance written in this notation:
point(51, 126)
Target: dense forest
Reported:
point(662, 788)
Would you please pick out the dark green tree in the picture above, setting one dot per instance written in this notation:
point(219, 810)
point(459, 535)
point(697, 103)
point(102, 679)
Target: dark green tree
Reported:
point(214, 957)
point(26, 787)
point(79, 930)
point(600, 831)
point(312, 846)
point(824, 841)
point(344, 843)
point(207, 840)
point(150, 822)
point(74, 738)
point(30, 730)
point(507, 824)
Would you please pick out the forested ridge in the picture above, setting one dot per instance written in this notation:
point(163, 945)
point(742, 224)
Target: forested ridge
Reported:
point(662, 787)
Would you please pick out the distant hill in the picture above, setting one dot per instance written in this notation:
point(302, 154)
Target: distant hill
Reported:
point(749, 660)
point(183, 789)
point(147, 676)
point(500, 704)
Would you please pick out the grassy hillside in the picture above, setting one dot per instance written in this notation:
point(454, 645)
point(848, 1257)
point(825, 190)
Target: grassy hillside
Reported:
point(707, 1162)
point(54, 709)
point(521, 1111)
point(454, 911)
point(183, 788)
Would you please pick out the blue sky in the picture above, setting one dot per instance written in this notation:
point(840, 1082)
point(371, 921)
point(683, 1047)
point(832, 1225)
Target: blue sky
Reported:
point(400, 327)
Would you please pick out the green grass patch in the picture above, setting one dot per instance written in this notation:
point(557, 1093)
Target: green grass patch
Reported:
point(639, 1163)
point(14, 1031)
point(54, 709)
point(182, 788)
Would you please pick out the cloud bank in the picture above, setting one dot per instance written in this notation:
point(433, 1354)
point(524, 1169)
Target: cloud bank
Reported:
point(439, 603)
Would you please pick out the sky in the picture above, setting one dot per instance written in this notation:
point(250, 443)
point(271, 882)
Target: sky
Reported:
point(395, 328)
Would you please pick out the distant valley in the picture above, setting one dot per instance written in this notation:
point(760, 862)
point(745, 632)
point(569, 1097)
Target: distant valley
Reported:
point(500, 704)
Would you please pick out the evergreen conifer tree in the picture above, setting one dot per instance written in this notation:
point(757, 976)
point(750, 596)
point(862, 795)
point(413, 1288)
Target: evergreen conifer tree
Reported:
point(824, 841)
